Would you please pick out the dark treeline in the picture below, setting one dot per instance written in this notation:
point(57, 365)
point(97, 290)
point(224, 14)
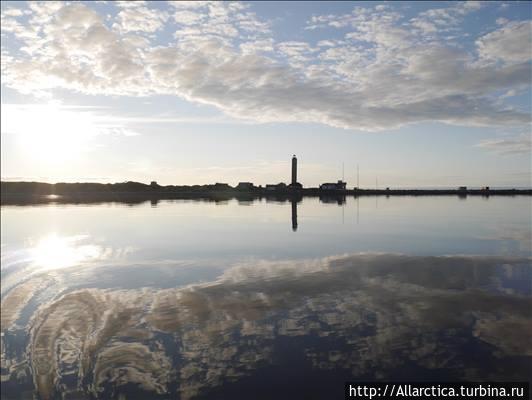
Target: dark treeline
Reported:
point(136, 192)
point(39, 188)
point(25, 193)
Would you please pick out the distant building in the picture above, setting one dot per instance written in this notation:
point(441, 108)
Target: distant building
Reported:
point(462, 188)
point(486, 188)
point(245, 186)
point(221, 186)
point(276, 187)
point(154, 184)
point(340, 185)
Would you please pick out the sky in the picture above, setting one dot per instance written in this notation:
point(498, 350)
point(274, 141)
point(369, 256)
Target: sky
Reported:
point(414, 94)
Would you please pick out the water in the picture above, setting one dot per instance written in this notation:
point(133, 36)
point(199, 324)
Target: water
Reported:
point(197, 299)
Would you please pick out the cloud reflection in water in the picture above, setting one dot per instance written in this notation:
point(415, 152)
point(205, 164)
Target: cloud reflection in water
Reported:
point(366, 316)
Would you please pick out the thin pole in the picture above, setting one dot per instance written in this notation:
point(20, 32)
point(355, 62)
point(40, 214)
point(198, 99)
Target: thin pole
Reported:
point(358, 199)
point(358, 178)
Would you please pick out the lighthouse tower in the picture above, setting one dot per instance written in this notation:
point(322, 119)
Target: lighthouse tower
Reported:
point(294, 184)
point(294, 170)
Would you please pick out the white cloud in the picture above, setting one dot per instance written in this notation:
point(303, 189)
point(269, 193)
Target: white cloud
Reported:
point(441, 20)
point(257, 46)
point(326, 43)
point(74, 49)
point(139, 18)
point(501, 21)
point(512, 43)
point(184, 5)
point(509, 145)
point(257, 87)
point(297, 53)
point(129, 4)
point(225, 21)
point(13, 12)
point(186, 17)
point(43, 11)
point(425, 26)
point(382, 75)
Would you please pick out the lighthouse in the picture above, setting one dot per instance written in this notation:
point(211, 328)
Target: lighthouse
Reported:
point(294, 184)
point(294, 170)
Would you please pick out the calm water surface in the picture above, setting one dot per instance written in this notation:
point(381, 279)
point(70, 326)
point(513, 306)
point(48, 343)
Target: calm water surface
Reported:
point(196, 299)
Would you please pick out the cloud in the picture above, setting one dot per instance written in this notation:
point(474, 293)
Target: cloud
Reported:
point(512, 43)
point(509, 146)
point(257, 46)
point(186, 17)
point(381, 75)
point(501, 21)
point(13, 12)
point(140, 18)
point(257, 88)
point(438, 20)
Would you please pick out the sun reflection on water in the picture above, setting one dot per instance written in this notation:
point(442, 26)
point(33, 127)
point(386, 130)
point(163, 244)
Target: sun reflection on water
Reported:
point(57, 252)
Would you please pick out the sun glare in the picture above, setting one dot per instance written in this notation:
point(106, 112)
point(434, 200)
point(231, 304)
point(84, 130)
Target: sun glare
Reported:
point(50, 134)
point(55, 252)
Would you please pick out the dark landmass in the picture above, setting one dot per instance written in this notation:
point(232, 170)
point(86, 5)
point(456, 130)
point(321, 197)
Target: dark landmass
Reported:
point(20, 193)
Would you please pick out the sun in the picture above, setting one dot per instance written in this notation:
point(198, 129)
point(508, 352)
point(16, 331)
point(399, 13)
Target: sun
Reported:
point(50, 134)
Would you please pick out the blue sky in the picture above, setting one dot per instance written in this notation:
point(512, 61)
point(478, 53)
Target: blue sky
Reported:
point(416, 93)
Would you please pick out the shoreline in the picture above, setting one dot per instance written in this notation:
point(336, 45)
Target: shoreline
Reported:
point(20, 193)
point(135, 197)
